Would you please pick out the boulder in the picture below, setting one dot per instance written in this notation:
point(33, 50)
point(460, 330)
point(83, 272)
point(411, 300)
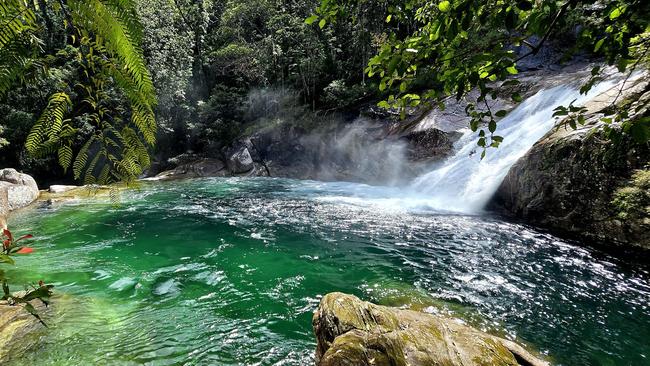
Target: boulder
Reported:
point(206, 167)
point(4, 207)
point(430, 144)
point(19, 330)
point(569, 181)
point(239, 160)
point(352, 332)
point(22, 189)
point(61, 188)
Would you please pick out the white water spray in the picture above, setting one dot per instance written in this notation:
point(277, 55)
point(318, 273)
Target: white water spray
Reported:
point(465, 183)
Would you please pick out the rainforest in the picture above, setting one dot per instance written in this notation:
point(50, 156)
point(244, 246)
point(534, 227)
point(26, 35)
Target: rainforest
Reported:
point(325, 182)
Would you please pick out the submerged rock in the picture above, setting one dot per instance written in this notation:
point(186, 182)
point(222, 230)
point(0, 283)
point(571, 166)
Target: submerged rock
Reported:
point(21, 188)
point(568, 181)
point(358, 333)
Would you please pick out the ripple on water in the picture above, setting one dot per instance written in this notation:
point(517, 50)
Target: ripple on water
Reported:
point(228, 271)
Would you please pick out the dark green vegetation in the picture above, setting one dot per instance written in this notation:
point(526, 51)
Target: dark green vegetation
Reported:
point(434, 50)
point(75, 87)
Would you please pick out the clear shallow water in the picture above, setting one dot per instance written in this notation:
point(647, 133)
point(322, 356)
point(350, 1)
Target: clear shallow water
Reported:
point(229, 271)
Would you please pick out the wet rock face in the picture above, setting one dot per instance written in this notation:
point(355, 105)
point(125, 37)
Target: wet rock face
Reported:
point(354, 332)
point(430, 144)
point(21, 189)
point(567, 182)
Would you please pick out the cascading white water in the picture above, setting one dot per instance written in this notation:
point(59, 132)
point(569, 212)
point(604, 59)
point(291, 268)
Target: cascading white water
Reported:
point(465, 183)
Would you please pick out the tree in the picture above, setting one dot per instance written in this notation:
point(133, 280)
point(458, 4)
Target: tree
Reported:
point(459, 45)
point(104, 37)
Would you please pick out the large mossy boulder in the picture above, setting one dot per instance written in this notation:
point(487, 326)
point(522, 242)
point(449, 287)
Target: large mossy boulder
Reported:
point(580, 182)
point(352, 332)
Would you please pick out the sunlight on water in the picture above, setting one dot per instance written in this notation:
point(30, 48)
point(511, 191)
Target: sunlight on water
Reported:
point(465, 183)
point(229, 272)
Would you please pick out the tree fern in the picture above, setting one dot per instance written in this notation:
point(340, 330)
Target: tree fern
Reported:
point(17, 22)
point(47, 132)
point(107, 35)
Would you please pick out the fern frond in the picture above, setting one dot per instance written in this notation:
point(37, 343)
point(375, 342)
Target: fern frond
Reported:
point(46, 133)
point(82, 157)
point(65, 156)
point(15, 18)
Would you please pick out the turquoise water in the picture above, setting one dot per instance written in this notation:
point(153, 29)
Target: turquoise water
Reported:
point(229, 272)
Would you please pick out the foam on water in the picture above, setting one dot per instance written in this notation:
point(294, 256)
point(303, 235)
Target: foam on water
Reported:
point(465, 183)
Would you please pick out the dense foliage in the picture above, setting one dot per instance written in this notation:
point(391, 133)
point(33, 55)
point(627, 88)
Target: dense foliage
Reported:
point(98, 116)
point(460, 45)
point(74, 78)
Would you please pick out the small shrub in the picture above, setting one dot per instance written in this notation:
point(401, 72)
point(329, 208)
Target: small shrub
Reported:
point(633, 200)
point(42, 292)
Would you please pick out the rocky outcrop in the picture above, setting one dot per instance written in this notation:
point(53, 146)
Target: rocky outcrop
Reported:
point(568, 181)
point(240, 163)
point(21, 189)
point(197, 169)
point(239, 160)
point(352, 332)
point(430, 144)
point(19, 330)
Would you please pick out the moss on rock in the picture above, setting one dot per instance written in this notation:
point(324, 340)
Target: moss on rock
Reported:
point(354, 332)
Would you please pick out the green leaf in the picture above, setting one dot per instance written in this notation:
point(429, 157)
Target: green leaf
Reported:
point(311, 19)
point(383, 104)
point(640, 130)
point(444, 6)
point(492, 126)
point(6, 259)
point(516, 97)
point(501, 113)
point(599, 44)
point(322, 23)
point(616, 13)
point(30, 308)
point(512, 70)
point(389, 17)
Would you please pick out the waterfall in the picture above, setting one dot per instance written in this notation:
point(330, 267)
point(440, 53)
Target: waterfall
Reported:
point(465, 183)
